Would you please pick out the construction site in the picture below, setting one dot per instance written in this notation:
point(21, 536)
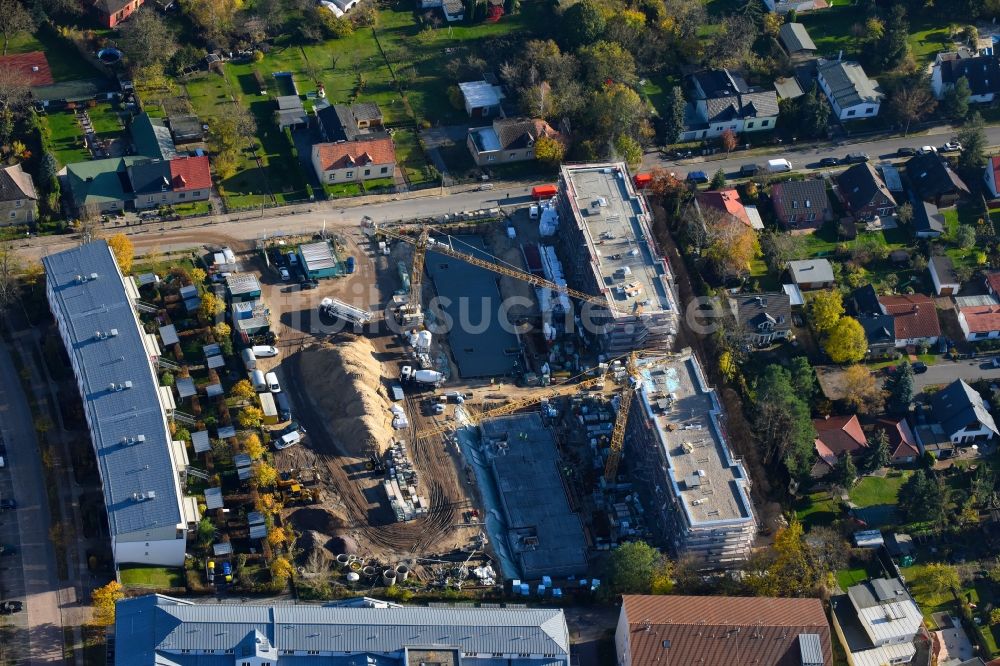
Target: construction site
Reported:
point(495, 396)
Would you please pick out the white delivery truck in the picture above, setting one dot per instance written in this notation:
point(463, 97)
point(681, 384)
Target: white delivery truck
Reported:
point(249, 359)
point(258, 381)
point(778, 166)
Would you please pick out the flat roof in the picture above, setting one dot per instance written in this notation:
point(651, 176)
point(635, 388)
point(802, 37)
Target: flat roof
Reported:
point(616, 226)
point(484, 347)
point(710, 484)
point(317, 256)
point(542, 530)
point(479, 94)
point(106, 342)
point(243, 283)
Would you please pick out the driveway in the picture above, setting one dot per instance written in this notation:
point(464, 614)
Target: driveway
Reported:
point(40, 587)
point(945, 372)
point(808, 157)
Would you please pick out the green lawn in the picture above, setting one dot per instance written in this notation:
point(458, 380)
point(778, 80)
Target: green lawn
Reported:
point(158, 578)
point(410, 156)
point(817, 509)
point(849, 577)
point(342, 190)
point(830, 29)
point(874, 490)
point(193, 208)
point(67, 137)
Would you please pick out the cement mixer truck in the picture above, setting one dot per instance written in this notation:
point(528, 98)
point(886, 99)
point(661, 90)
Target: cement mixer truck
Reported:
point(410, 374)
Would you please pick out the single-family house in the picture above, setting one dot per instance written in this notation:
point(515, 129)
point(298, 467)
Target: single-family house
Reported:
point(880, 331)
point(933, 180)
point(151, 138)
point(507, 140)
point(835, 437)
point(354, 161)
point(928, 221)
point(763, 318)
point(664, 630)
point(903, 446)
point(851, 93)
point(722, 100)
point(801, 206)
point(728, 203)
point(991, 175)
point(113, 12)
point(796, 40)
point(864, 192)
point(993, 283)
point(100, 185)
point(980, 322)
point(811, 273)
point(18, 198)
point(31, 67)
point(946, 282)
point(354, 122)
point(914, 318)
point(482, 98)
point(290, 113)
point(877, 622)
point(120, 183)
point(962, 414)
point(981, 71)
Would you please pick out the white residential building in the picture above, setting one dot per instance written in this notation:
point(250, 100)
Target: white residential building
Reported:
point(852, 94)
point(126, 409)
point(876, 622)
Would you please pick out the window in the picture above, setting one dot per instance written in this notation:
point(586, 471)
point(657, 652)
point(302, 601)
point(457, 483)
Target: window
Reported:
point(811, 216)
point(870, 109)
point(163, 198)
point(368, 172)
point(851, 112)
point(350, 174)
point(511, 156)
point(149, 200)
point(385, 169)
point(333, 177)
point(750, 125)
point(491, 158)
point(18, 203)
point(13, 214)
point(765, 123)
point(182, 195)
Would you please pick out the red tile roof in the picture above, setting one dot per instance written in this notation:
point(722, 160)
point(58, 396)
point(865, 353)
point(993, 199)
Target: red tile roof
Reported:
point(726, 201)
point(993, 282)
point(913, 315)
point(722, 631)
point(981, 318)
point(31, 66)
point(902, 442)
point(355, 153)
point(190, 173)
point(838, 434)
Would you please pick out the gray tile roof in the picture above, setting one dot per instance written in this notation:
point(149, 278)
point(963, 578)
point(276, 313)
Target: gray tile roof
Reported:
point(16, 184)
point(849, 84)
point(931, 177)
point(796, 38)
point(811, 270)
point(100, 305)
point(753, 310)
point(958, 405)
point(728, 97)
point(982, 72)
point(796, 197)
point(860, 185)
point(927, 218)
point(151, 628)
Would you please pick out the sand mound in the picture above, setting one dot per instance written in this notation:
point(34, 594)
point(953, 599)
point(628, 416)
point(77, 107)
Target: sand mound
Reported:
point(316, 520)
point(345, 382)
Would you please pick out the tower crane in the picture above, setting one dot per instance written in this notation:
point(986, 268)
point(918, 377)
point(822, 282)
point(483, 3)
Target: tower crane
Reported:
point(621, 419)
point(412, 312)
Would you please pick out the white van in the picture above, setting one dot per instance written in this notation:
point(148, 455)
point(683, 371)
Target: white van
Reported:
point(272, 382)
point(249, 359)
point(288, 439)
point(533, 212)
point(779, 166)
point(264, 351)
point(258, 381)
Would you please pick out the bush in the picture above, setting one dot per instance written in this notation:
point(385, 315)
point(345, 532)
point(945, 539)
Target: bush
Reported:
point(258, 56)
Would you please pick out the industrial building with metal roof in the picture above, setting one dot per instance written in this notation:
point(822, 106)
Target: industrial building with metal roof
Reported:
point(125, 407)
point(318, 259)
point(156, 629)
point(607, 247)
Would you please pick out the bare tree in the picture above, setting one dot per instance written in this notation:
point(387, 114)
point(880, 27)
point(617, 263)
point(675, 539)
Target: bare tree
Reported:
point(146, 39)
point(10, 269)
point(910, 103)
point(13, 88)
point(14, 19)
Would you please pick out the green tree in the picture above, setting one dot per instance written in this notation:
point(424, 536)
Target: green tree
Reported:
point(974, 145)
point(983, 484)
point(826, 307)
point(846, 341)
point(789, 570)
point(900, 388)
point(167, 378)
point(803, 378)
point(550, 151)
point(939, 578)
point(14, 19)
point(813, 113)
point(718, 180)
point(583, 23)
point(891, 50)
point(673, 116)
point(607, 62)
point(206, 531)
point(779, 248)
point(145, 39)
point(955, 102)
point(922, 498)
point(782, 421)
point(878, 452)
point(965, 236)
point(846, 472)
point(632, 567)
point(629, 149)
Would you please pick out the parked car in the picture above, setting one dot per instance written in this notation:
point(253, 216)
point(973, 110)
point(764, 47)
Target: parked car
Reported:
point(271, 379)
point(289, 436)
point(919, 367)
point(264, 351)
point(829, 162)
point(285, 275)
point(699, 177)
point(906, 151)
point(925, 150)
point(308, 284)
point(749, 170)
point(995, 362)
point(7, 505)
point(11, 607)
point(951, 147)
point(856, 158)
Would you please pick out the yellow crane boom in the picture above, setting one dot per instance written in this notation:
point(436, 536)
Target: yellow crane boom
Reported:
point(423, 242)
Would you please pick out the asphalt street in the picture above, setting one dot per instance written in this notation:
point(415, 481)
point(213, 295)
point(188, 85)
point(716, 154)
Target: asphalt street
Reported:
point(808, 157)
point(945, 372)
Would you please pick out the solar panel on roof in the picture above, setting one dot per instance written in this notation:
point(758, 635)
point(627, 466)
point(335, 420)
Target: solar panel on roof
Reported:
point(200, 441)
